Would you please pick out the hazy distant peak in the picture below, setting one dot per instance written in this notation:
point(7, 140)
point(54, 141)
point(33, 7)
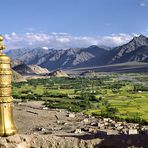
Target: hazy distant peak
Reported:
point(93, 46)
point(98, 47)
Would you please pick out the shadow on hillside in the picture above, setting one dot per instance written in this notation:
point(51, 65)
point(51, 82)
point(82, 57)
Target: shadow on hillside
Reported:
point(115, 141)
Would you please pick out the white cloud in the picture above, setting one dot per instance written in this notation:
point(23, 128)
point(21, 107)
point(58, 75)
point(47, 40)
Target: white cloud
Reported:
point(13, 34)
point(45, 48)
point(62, 40)
point(142, 4)
point(60, 33)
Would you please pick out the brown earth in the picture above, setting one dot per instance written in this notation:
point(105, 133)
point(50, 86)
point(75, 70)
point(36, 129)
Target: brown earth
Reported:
point(40, 127)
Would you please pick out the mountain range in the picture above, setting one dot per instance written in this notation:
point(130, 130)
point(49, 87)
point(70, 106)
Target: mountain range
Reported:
point(52, 59)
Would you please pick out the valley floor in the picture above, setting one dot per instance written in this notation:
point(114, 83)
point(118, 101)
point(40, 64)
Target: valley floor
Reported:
point(42, 127)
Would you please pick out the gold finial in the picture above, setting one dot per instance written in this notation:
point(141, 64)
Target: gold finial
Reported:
point(7, 126)
point(1, 44)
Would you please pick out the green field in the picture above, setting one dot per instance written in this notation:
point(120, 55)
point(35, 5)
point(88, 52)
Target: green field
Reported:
point(119, 96)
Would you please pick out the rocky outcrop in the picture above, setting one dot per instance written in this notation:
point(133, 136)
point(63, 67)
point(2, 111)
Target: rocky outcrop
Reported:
point(59, 73)
point(38, 70)
point(25, 69)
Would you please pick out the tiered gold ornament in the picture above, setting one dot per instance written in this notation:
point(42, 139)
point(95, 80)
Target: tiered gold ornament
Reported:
point(7, 126)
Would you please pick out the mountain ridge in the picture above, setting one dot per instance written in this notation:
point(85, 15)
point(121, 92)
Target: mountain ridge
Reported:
point(52, 59)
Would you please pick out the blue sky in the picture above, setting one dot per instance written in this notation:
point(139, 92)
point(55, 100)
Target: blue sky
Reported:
point(79, 21)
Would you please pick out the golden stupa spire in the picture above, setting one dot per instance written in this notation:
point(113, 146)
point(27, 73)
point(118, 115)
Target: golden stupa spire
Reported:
point(7, 126)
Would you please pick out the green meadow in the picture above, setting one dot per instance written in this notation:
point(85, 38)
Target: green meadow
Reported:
point(118, 96)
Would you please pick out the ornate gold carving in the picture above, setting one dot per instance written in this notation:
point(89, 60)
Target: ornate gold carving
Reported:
point(5, 91)
point(5, 79)
point(5, 66)
point(6, 72)
point(5, 99)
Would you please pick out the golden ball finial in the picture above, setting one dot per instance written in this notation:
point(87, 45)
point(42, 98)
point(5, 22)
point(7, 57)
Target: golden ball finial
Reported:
point(1, 38)
point(1, 44)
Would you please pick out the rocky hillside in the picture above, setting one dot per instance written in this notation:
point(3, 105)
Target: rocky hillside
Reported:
point(135, 50)
point(17, 53)
point(38, 70)
point(88, 73)
point(29, 56)
point(59, 73)
point(25, 69)
point(57, 59)
point(15, 62)
point(139, 54)
point(16, 77)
